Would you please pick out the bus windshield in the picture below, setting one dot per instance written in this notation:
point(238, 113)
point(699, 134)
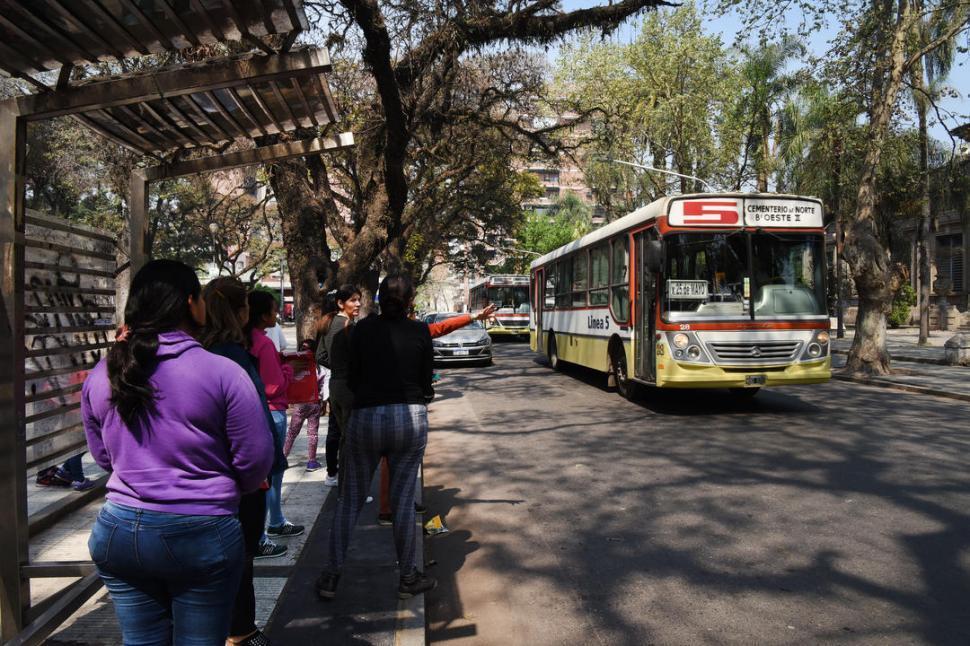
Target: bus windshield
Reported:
point(514, 298)
point(711, 275)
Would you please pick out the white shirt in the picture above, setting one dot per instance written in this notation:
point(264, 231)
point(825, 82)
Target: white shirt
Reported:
point(275, 335)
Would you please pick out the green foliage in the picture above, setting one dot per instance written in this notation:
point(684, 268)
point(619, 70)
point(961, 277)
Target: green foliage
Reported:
point(540, 232)
point(663, 100)
point(904, 299)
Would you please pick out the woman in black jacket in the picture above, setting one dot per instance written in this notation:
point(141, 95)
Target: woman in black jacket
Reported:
point(391, 363)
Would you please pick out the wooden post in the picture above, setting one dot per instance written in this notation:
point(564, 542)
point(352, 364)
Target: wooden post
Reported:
point(131, 245)
point(14, 588)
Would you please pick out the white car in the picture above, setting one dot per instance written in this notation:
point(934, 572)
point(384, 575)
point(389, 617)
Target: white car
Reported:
point(466, 345)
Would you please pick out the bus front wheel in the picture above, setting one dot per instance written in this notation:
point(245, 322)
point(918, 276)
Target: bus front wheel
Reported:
point(624, 386)
point(554, 362)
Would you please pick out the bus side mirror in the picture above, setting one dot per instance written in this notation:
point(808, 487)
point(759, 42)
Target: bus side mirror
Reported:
point(653, 256)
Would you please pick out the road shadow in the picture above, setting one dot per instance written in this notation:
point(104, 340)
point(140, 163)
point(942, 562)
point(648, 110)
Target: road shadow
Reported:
point(845, 506)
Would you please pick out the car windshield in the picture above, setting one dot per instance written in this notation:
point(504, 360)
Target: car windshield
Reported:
point(474, 325)
point(709, 275)
point(513, 298)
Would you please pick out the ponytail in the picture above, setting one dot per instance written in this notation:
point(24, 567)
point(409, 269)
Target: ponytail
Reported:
point(158, 302)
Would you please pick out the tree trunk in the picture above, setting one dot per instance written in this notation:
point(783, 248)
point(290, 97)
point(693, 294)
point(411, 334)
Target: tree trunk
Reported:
point(923, 234)
point(865, 252)
point(304, 239)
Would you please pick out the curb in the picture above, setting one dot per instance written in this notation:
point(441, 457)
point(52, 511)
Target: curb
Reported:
point(935, 362)
point(884, 383)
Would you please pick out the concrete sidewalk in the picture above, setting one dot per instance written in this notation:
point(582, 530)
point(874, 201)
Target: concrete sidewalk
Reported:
point(919, 369)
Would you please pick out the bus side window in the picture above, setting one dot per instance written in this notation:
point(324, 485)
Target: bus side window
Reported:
point(549, 302)
point(580, 270)
point(619, 280)
point(599, 275)
point(565, 282)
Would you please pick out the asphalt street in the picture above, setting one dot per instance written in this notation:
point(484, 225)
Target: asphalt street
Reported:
point(816, 514)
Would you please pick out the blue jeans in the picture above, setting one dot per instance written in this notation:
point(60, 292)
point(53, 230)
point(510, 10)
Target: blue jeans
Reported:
point(274, 496)
point(172, 578)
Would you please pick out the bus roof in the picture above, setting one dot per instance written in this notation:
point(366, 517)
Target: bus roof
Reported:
point(646, 214)
point(503, 280)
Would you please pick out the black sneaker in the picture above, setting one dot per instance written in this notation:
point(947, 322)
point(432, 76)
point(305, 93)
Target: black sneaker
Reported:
point(269, 550)
point(419, 508)
point(285, 530)
point(415, 583)
point(385, 520)
point(327, 585)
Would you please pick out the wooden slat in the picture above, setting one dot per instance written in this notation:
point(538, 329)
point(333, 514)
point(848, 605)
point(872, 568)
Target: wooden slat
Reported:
point(193, 104)
point(54, 372)
point(29, 38)
point(183, 28)
point(133, 41)
point(249, 115)
point(50, 246)
point(67, 227)
point(42, 395)
point(54, 412)
point(141, 144)
point(204, 138)
point(325, 97)
point(169, 125)
point(61, 454)
point(60, 289)
point(286, 106)
point(207, 19)
point(67, 269)
point(303, 100)
point(265, 108)
point(86, 29)
point(80, 309)
point(49, 352)
point(76, 51)
point(225, 115)
point(77, 329)
point(163, 40)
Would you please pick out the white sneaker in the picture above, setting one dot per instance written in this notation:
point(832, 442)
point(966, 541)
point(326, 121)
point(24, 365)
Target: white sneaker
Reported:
point(330, 481)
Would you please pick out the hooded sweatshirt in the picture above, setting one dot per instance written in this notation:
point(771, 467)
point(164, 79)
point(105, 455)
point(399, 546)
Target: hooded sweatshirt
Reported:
point(202, 445)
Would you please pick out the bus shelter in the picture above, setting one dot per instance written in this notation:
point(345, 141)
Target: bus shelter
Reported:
point(190, 118)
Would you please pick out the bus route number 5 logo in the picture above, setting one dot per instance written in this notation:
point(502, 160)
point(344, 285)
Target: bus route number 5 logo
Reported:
point(716, 213)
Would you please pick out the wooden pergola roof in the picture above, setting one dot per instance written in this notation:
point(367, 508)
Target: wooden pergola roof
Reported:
point(219, 110)
point(44, 35)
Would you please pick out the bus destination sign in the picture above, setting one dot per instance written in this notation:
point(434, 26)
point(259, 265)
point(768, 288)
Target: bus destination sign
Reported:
point(797, 214)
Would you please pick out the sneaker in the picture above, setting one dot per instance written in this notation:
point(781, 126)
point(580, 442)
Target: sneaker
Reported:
point(368, 499)
point(269, 550)
point(285, 530)
point(327, 585)
point(419, 508)
point(82, 485)
point(385, 520)
point(415, 583)
point(330, 481)
point(312, 465)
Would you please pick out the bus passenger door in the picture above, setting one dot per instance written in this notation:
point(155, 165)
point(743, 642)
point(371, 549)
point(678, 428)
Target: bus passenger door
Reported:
point(646, 288)
point(538, 298)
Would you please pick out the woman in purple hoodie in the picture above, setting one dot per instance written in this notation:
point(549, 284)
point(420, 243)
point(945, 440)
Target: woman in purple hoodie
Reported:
point(183, 434)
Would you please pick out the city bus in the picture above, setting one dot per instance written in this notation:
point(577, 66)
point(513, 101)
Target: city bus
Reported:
point(710, 290)
point(511, 295)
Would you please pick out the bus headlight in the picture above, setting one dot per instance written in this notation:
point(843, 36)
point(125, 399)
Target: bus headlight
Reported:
point(681, 340)
point(693, 353)
point(822, 337)
point(814, 350)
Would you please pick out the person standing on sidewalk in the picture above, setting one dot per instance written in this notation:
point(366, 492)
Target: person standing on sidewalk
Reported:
point(276, 379)
point(385, 515)
point(333, 354)
point(312, 412)
point(391, 361)
point(183, 434)
point(227, 311)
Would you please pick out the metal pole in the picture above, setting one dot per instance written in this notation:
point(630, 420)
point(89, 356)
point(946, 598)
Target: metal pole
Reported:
point(14, 588)
point(839, 313)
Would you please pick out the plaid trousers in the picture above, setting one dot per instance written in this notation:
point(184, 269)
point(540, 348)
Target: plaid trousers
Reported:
point(399, 432)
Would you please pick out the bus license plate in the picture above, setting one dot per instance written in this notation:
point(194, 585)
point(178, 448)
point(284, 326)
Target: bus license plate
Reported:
point(461, 353)
point(755, 380)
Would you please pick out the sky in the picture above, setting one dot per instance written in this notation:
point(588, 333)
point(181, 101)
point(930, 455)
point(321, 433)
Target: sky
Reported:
point(956, 108)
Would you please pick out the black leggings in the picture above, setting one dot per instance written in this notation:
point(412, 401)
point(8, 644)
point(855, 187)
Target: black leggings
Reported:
point(252, 515)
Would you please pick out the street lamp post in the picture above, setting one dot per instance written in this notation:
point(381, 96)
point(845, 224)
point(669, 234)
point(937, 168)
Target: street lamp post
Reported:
point(213, 230)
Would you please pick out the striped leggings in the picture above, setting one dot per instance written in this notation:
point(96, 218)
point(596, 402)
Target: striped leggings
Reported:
point(399, 432)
